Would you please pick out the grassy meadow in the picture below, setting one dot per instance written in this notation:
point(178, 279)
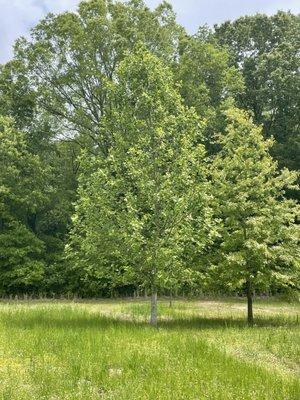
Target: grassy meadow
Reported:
point(106, 350)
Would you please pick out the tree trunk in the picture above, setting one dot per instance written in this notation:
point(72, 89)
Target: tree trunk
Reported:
point(171, 300)
point(153, 318)
point(249, 303)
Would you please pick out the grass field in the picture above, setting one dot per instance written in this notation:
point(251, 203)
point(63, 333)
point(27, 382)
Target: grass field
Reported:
point(106, 350)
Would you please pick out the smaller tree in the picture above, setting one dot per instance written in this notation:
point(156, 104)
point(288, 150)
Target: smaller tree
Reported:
point(258, 234)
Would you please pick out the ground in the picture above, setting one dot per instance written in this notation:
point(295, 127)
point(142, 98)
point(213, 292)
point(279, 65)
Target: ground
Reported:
point(58, 350)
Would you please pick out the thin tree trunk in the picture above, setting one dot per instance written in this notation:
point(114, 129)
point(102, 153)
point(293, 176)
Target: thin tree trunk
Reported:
point(153, 318)
point(249, 303)
point(171, 300)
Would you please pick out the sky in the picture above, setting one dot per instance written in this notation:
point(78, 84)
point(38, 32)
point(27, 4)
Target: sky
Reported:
point(17, 17)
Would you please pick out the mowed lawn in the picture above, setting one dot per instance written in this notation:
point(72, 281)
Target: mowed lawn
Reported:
point(106, 350)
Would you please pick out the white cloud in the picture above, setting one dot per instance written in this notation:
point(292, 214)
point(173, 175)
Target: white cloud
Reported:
point(18, 16)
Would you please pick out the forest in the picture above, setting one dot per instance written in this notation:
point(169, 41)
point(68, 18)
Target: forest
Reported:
point(137, 159)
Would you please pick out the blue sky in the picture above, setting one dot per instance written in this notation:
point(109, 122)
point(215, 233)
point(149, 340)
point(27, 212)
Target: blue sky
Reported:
point(18, 16)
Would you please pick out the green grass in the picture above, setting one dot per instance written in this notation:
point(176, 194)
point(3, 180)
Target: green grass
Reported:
point(106, 350)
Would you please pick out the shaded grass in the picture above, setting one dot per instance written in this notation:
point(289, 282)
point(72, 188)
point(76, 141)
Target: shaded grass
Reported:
point(106, 350)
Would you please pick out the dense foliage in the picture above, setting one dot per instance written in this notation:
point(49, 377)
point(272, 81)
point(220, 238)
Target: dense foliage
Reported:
point(266, 51)
point(258, 239)
point(127, 164)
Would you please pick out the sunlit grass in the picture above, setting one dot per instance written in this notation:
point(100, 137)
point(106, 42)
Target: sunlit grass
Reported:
point(106, 350)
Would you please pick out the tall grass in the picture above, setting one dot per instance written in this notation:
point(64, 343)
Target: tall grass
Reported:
point(106, 350)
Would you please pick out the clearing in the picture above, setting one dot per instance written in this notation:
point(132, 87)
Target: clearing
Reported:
point(59, 350)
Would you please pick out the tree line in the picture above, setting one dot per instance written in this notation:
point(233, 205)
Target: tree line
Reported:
point(134, 155)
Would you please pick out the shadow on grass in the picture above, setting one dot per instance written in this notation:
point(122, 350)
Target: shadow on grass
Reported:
point(104, 322)
point(203, 323)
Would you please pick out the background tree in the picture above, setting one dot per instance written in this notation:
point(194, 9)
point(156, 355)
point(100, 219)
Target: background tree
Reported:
point(71, 59)
point(258, 243)
point(266, 50)
point(137, 206)
point(207, 79)
point(50, 220)
point(21, 194)
point(206, 76)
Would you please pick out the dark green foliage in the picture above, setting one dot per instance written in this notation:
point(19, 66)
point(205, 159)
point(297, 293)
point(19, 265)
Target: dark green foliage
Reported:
point(208, 81)
point(21, 263)
point(266, 50)
point(21, 194)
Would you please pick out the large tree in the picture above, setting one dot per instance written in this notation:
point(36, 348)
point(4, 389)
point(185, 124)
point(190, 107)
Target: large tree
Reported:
point(137, 206)
point(71, 59)
point(259, 237)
